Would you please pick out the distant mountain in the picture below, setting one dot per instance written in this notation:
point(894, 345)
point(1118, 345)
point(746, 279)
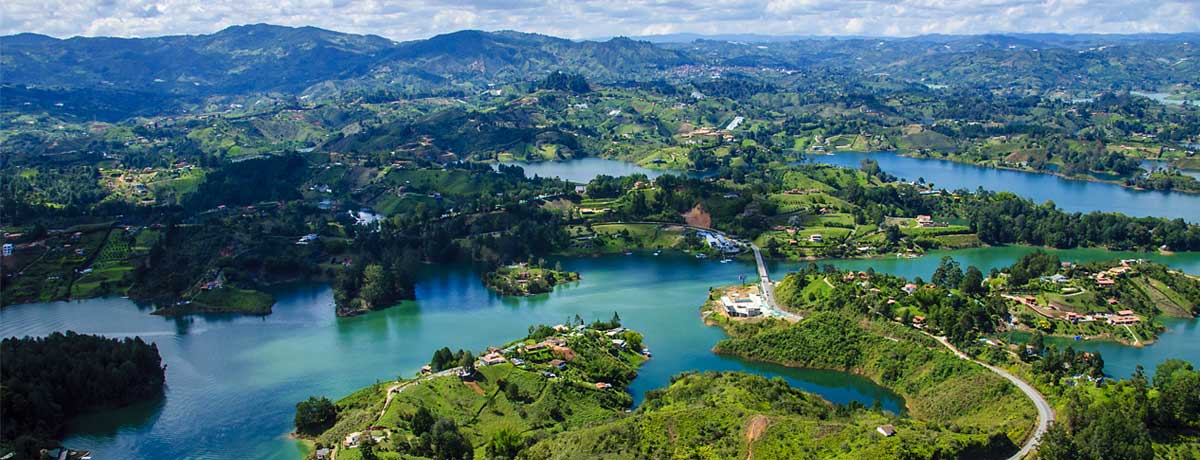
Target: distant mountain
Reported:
point(256, 58)
point(235, 60)
point(260, 58)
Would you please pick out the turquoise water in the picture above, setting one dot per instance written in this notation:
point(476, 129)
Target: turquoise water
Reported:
point(1070, 195)
point(233, 381)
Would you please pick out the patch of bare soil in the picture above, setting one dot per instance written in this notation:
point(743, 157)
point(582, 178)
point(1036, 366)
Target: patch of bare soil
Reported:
point(698, 217)
point(474, 386)
point(757, 426)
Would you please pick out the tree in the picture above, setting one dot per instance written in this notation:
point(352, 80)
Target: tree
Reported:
point(1038, 342)
point(315, 415)
point(449, 443)
point(366, 448)
point(422, 421)
point(467, 361)
point(616, 320)
point(504, 445)
point(948, 273)
point(893, 234)
point(633, 340)
point(972, 282)
point(1057, 444)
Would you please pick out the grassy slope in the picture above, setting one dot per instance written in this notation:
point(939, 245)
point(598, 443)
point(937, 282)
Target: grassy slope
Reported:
point(936, 385)
point(729, 415)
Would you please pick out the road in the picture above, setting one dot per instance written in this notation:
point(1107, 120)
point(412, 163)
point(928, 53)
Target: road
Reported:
point(764, 278)
point(1045, 412)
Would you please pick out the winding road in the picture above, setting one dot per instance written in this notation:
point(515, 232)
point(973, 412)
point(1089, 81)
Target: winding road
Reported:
point(1045, 412)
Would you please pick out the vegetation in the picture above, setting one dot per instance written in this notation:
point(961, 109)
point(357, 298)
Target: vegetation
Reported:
point(523, 279)
point(48, 380)
point(731, 415)
point(553, 380)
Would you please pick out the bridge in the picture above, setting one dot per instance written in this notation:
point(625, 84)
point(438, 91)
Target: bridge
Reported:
point(764, 279)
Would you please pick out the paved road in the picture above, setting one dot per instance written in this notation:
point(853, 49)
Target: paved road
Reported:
point(764, 278)
point(1045, 412)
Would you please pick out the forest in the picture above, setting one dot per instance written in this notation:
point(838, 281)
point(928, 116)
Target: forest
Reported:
point(47, 380)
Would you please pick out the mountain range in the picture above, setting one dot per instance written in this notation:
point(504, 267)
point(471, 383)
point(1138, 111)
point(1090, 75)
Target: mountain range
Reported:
point(261, 58)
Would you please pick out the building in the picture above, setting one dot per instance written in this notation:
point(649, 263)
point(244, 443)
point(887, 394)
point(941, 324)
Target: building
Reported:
point(1058, 278)
point(492, 359)
point(910, 288)
point(558, 364)
point(886, 430)
point(816, 238)
point(8, 249)
point(603, 386)
point(323, 453)
point(925, 220)
point(1123, 317)
point(742, 305)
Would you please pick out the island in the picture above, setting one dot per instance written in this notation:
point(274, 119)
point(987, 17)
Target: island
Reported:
point(48, 380)
point(524, 279)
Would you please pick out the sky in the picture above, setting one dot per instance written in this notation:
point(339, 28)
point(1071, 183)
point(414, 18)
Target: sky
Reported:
point(414, 19)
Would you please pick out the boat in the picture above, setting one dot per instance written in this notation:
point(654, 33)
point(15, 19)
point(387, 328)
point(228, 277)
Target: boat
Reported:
point(701, 255)
point(725, 261)
point(629, 253)
point(657, 252)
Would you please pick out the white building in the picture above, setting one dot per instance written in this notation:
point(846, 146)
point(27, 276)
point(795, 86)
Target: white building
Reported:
point(746, 306)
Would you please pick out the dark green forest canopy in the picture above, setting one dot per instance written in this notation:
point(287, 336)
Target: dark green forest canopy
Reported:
point(47, 380)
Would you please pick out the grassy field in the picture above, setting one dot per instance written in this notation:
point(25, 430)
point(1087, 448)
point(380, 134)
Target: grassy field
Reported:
point(615, 238)
point(226, 300)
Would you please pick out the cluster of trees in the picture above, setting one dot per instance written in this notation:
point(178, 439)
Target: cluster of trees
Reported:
point(40, 193)
point(315, 415)
point(562, 81)
point(272, 178)
point(1057, 364)
point(373, 286)
point(1003, 218)
point(445, 359)
point(1125, 420)
point(45, 381)
point(1033, 265)
point(438, 438)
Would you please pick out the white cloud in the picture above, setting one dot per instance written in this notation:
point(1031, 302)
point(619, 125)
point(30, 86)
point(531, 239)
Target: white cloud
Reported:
point(413, 19)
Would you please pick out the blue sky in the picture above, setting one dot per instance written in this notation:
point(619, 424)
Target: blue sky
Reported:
point(411, 19)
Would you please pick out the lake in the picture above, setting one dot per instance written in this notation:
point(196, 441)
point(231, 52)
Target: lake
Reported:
point(1070, 195)
point(233, 381)
point(583, 170)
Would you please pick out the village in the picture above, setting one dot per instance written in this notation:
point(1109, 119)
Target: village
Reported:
point(593, 362)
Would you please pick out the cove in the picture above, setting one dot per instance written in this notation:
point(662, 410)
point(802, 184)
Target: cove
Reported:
point(233, 381)
point(1068, 194)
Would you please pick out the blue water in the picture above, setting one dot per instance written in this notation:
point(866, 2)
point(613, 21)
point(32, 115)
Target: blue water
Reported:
point(1069, 195)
